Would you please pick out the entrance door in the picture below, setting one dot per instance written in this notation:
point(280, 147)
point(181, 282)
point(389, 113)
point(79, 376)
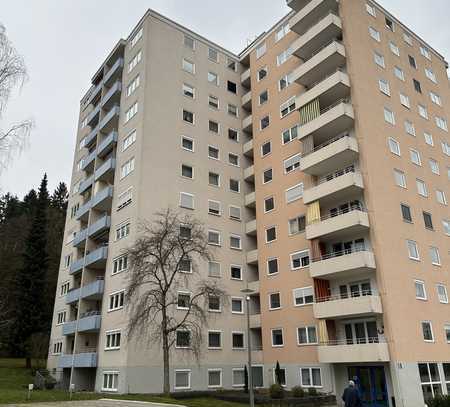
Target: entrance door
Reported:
point(371, 383)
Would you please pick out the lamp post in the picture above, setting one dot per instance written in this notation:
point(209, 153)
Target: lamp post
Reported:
point(248, 291)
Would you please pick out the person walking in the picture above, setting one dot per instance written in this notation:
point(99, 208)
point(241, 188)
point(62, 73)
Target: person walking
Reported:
point(351, 396)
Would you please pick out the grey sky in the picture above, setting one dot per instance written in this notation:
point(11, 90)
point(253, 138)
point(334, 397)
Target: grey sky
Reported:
point(64, 42)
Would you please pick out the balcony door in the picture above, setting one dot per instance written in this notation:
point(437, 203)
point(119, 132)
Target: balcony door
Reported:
point(361, 332)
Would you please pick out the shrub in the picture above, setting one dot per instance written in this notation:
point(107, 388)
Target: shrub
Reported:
point(276, 391)
point(312, 391)
point(439, 401)
point(298, 391)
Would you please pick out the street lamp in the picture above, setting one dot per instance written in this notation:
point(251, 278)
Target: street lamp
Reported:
point(248, 291)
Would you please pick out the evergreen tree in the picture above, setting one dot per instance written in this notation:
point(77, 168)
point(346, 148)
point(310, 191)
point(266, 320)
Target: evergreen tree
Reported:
point(59, 197)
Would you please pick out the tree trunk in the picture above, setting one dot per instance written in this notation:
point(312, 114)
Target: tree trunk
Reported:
point(165, 344)
point(28, 362)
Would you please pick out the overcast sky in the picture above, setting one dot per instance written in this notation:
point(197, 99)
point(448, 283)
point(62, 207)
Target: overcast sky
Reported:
point(64, 42)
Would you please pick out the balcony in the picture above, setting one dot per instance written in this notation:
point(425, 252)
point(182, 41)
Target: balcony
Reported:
point(73, 295)
point(297, 5)
point(254, 286)
point(80, 238)
point(247, 124)
point(102, 200)
point(114, 72)
point(340, 307)
point(85, 359)
point(347, 264)
point(83, 211)
point(89, 322)
point(344, 224)
point(92, 291)
point(106, 171)
point(87, 183)
point(341, 352)
point(246, 79)
point(322, 62)
point(252, 257)
point(248, 148)
point(331, 88)
point(334, 119)
point(91, 137)
point(247, 101)
point(93, 117)
point(109, 122)
point(249, 174)
point(250, 227)
point(250, 200)
point(310, 14)
point(255, 321)
point(100, 226)
point(107, 144)
point(76, 266)
point(95, 93)
point(112, 97)
point(338, 186)
point(88, 162)
point(97, 258)
point(339, 152)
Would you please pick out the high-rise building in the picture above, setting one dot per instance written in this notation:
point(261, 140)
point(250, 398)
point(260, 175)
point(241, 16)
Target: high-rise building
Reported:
point(319, 160)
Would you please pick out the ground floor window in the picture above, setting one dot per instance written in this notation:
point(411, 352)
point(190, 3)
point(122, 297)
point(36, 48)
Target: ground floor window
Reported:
point(182, 379)
point(430, 380)
point(110, 381)
point(238, 377)
point(214, 378)
point(310, 377)
point(257, 376)
point(446, 367)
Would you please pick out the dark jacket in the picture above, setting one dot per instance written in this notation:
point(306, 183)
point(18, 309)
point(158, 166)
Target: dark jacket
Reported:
point(351, 397)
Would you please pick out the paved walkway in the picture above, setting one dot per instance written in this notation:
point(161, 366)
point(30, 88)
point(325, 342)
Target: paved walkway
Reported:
point(97, 403)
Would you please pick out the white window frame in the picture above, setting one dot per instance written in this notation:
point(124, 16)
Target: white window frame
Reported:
point(414, 244)
point(188, 371)
point(113, 334)
point(431, 330)
point(115, 380)
point(422, 284)
point(215, 386)
point(282, 337)
point(308, 341)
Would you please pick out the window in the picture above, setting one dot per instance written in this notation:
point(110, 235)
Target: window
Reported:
point(421, 293)
point(277, 337)
point(281, 32)
point(188, 117)
point(183, 300)
point(237, 305)
point(213, 179)
point(384, 87)
point(110, 381)
point(122, 230)
point(413, 250)
point(120, 264)
point(425, 52)
point(394, 48)
point(186, 200)
point(133, 86)
point(213, 102)
point(188, 66)
point(417, 86)
point(188, 91)
point(406, 213)
point(265, 121)
point(232, 110)
point(231, 64)
point(116, 301)
point(394, 146)
point(274, 301)
point(136, 59)
point(415, 157)
point(294, 193)
point(125, 198)
point(434, 166)
point(445, 148)
point(213, 127)
point(262, 73)
point(129, 140)
point(430, 75)
point(428, 139)
point(182, 379)
point(235, 242)
point(187, 143)
point(434, 254)
point(399, 73)
point(187, 171)
point(67, 261)
point(307, 335)
point(442, 294)
point(271, 234)
point(303, 296)
point(389, 24)
point(231, 87)
point(408, 39)
point(428, 220)
point(289, 135)
point(238, 379)
point(189, 42)
point(287, 107)
point(233, 135)
point(285, 81)
point(183, 339)
point(235, 212)
point(389, 116)
point(64, 288)
point(410, 128)
point(214, 304)
point(266, 148)
point(421, 188)
point(237, 340)
point(441, 123)
point(213, 152)
point(214, 378)
point(263, 97)
point(214, 339)
point(233, 159)
point(272, 266)
point(213, 55)
point(435, 98)
point(61, 317)
point(57, 348)
point(261, 50)
point(185, 232)
point(446, 226)
point(284, 56)
point(423, 112)
point(379, 59)
point(213, 78)
point(374, 34)
point(131, 112)
point(136, 38)
point(412, 61)
point(400, 178)
point(427, 331)
point(214, 237)
point(236, 272)
point(112, 340)
point(404, 100)
point(441, 198)
point(297, 225)
point(267, 175)
point(371, 10)
point(299, 260)
point(213, 269)
point(310, 377)
point(234, 185)
point(269, 204)
point(430, 380)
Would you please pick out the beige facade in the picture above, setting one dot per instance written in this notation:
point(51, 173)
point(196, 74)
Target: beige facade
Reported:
point(333, 127)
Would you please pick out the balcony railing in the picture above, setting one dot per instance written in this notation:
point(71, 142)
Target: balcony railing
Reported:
point(325, 144)
point(354, 207)
point(362, 293)
point(336, 174)
point(322, 47)
point(354, 341)
point(340, 253)
point(318, 20)
point(324, 78)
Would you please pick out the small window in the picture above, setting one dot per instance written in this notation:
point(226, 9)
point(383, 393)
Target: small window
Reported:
point(417, 86)
point(214, 207)
point(214, 339)
point(394, 146)
point(213, 126)
point(421, 293)
point(371, 10)
point(261, 50)
point(213, 269)
point(425, 52)
point(267, 176)
point(129, 140)
point(233, 159)
point(303, 296)
point(442, 293)
point(379, 60)
point(413, 250)
point(384, 87)
point(265, 122)
point(188, 117)
point(183, 300)
point(435, 98)
point(428, 139)
point(297, 225)
point(269, 204)
point(284, 56)
point(389, 24)
point(266, 148)
point(110, 381)
point(441, 123)
point(237, 305)
point(408, 39)
point(234, 185)
point(285, 81)
point(182, 379)
point(232, 110)
point(406, 213)
point(299, 260)
point(311, 377)
point(187, 171)
point(423, 111)
point(214, 304)
point(434, 166)
point(235, 212)
point(415, 157)
point(374, 34)
point(185, 265)
point(189, 42)
point(291, 164)
point(235, 242)
point(263, 97)
point(400, 178)
point(441, 198)
point(213, 55)
point(237, 340)
point(271, 234)
point(282, 32)
point(394, 48)
point(231, 87)
point(213, 78)
point(404, 100)
point(186, 200)
point(399, 73)
point(233, 135)
point(412, 61)
point(427, 331)
point(446, 227)
point(213, 179)
point(123, 230)
point(214, 378)
point(213, 152)
point(287, 107)
point(214, 237)
point(236, 272)
point(389, 116)
point(430, 75)
point(427, 220)
point(262, 73)
point(307, 335)
point(187, 143)
point(188, 91)
point(231, 64)
point(410, 128)
point(188, 66)
point(274, 301)
point(289, 135)
point(294, 193)
point(277, 337)
point(435, 257)
point(272, 266)
point(213, 102)
point(116, 301)
point(421, 188)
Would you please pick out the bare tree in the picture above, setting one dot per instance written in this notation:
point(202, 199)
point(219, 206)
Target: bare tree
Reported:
point(13, 73)
point(164, 259)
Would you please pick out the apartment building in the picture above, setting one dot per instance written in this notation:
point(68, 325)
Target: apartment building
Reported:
point(319, 160)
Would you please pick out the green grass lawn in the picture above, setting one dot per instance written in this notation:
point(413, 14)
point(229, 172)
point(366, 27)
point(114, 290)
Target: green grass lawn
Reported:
point(14, 379)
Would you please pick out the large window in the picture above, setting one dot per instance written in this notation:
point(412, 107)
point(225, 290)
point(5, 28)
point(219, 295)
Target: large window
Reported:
point(430, 380)
point(214, 378)
point(307, 335)
point(277, 337)
point(116, 301)
point(303, 296)
point(310, 377)
point(110, 381)
point(182, 379)
point(299, 259)
point(112, 340)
